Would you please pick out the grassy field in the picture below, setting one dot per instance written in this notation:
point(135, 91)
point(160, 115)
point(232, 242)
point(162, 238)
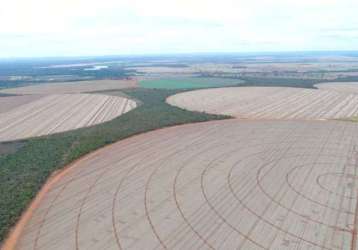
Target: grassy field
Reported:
point(23, 172)
point(188, 83)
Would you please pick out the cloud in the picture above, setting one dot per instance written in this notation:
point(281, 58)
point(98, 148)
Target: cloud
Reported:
point(81, 27)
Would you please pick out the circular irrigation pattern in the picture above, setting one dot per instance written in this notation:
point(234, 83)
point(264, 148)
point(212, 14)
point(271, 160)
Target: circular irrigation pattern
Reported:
point(263, 103)
point(217, 185)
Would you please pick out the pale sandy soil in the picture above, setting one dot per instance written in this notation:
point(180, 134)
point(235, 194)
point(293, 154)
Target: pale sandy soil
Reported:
point(10, 102)
point(72, 87)
point(343, 87)
point(58, 113)
point(270, 103)
point(219, 185)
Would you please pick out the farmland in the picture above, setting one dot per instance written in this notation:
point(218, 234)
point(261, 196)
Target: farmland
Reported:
point(270, 103)
point(188, 83)
point(8, 103)
point(71, 87)
point(343, 87)
point(218, 185)
point(280, 174)
point(23, 173)
point(58, 113)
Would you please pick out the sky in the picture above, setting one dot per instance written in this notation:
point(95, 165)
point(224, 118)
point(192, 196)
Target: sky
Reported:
point(41, 28)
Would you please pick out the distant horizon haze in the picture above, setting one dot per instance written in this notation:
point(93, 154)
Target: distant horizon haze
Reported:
point(302, 54)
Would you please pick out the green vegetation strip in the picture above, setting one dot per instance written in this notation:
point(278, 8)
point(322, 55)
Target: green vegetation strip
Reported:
point(188, 82)
point(24, 172)
point(211, 82)
point(279, 82)
point(351, 119)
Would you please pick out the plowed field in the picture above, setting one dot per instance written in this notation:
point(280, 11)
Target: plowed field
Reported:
point(270, 103)
point(58, 113)
point(219, 185)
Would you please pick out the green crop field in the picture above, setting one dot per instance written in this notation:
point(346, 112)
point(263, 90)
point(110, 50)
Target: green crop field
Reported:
point(188, 82)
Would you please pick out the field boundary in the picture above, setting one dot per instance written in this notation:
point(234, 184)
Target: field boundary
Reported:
point(44, 155)
point(15, 232)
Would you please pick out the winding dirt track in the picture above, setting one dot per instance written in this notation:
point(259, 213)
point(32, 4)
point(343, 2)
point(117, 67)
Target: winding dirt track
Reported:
point(270, 103)
point(217, 185)
point(58, 113)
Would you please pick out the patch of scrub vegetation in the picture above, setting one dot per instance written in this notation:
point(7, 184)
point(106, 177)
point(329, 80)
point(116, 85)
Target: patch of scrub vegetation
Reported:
point(279, 82)
point(23, 172)
point(351, 119)
point(188, 82)
point(249, 81)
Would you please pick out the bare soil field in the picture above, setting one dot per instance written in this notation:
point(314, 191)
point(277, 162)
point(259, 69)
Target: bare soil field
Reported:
point(342, 87)
point(270, 103)
point(219, 185)
point(72, 87)
point(323, 69)
point(10, 102)
point(58, 113)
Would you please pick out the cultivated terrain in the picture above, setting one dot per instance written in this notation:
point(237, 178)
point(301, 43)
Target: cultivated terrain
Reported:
point(219, 185)
point(58, 113)
point(280, 174)
point(71, 87)
point(272, 102)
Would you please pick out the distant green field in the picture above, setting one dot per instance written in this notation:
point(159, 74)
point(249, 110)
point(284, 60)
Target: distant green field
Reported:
point(188, 83)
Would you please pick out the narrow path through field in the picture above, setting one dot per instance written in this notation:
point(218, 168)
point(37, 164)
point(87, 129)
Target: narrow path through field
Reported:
point(217, 185)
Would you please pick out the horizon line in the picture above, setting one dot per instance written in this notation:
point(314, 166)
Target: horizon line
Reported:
point(167, 54)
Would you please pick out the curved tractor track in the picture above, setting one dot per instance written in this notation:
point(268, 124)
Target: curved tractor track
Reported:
point(217, 185)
